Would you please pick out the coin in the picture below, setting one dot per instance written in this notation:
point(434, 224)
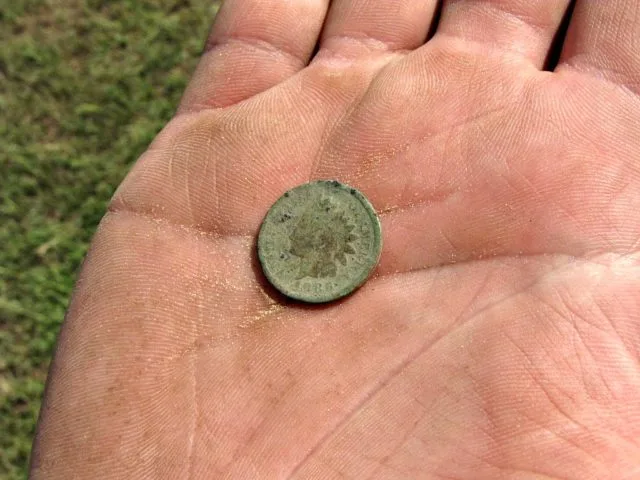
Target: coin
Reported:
point(319, 241)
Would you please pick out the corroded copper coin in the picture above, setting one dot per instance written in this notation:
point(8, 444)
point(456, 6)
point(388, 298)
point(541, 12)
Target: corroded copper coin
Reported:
point(319, 241)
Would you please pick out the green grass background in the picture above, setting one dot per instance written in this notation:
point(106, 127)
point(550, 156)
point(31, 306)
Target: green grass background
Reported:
point(84, 87)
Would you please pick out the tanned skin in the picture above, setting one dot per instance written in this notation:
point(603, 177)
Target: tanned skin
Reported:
point(499, 337)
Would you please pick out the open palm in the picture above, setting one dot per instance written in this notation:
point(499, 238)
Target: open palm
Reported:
point(500, 334)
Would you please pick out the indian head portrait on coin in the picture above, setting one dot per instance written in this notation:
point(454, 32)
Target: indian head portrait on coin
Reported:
point(319, 241)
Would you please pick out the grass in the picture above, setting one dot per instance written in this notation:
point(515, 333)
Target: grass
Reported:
point(84, 87)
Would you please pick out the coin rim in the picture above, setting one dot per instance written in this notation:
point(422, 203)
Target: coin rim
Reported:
point(377, 234)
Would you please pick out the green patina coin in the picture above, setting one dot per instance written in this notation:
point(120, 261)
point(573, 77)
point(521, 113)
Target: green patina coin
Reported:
point(319, 241)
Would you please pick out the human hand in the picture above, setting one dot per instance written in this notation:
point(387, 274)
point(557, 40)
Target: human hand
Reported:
point(500, 334)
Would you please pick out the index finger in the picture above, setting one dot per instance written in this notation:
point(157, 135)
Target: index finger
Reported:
point(254, 45)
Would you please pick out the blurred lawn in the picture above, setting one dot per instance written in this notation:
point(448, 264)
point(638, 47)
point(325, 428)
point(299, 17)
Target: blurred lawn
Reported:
point(84, 86)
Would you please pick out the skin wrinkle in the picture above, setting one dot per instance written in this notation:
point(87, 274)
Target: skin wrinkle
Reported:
point(482, 48)
point(531, 26)
point(207, 234)
point(430, 138)
point(636, 244)
point(214, 176)
point(601, 376)
point(367, 398)
point(188, 196)
point(490, 463)
point(213, 47)
point(481, 258)
point(498, 7)
point(475, 456)
point(330, 130)
point(193, 365)
point(584, 83)
point(116, 210)
point(408, 434)
point(556, 405)
point(615, 331)
point(273, 404)
point(533, 189)
point(423, 142)
point(617, 79)
point(594, 47)
point(449, 241)
point(250, 53)
point(462, 122)
point(243, 27)
point(402, 24)
point(567, 440)
point(574, 318)
point(576, 343)
point(318, 81)
point(450, 128)
point(482, 404)
point(548, 395)
point(370, 43)
point(241, 451)
point(458, 323)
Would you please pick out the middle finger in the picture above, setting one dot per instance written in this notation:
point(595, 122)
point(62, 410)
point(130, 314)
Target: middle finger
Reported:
point(354, 27)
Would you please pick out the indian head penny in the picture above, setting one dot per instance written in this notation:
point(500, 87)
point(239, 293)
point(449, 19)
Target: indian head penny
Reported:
point(319, 241)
